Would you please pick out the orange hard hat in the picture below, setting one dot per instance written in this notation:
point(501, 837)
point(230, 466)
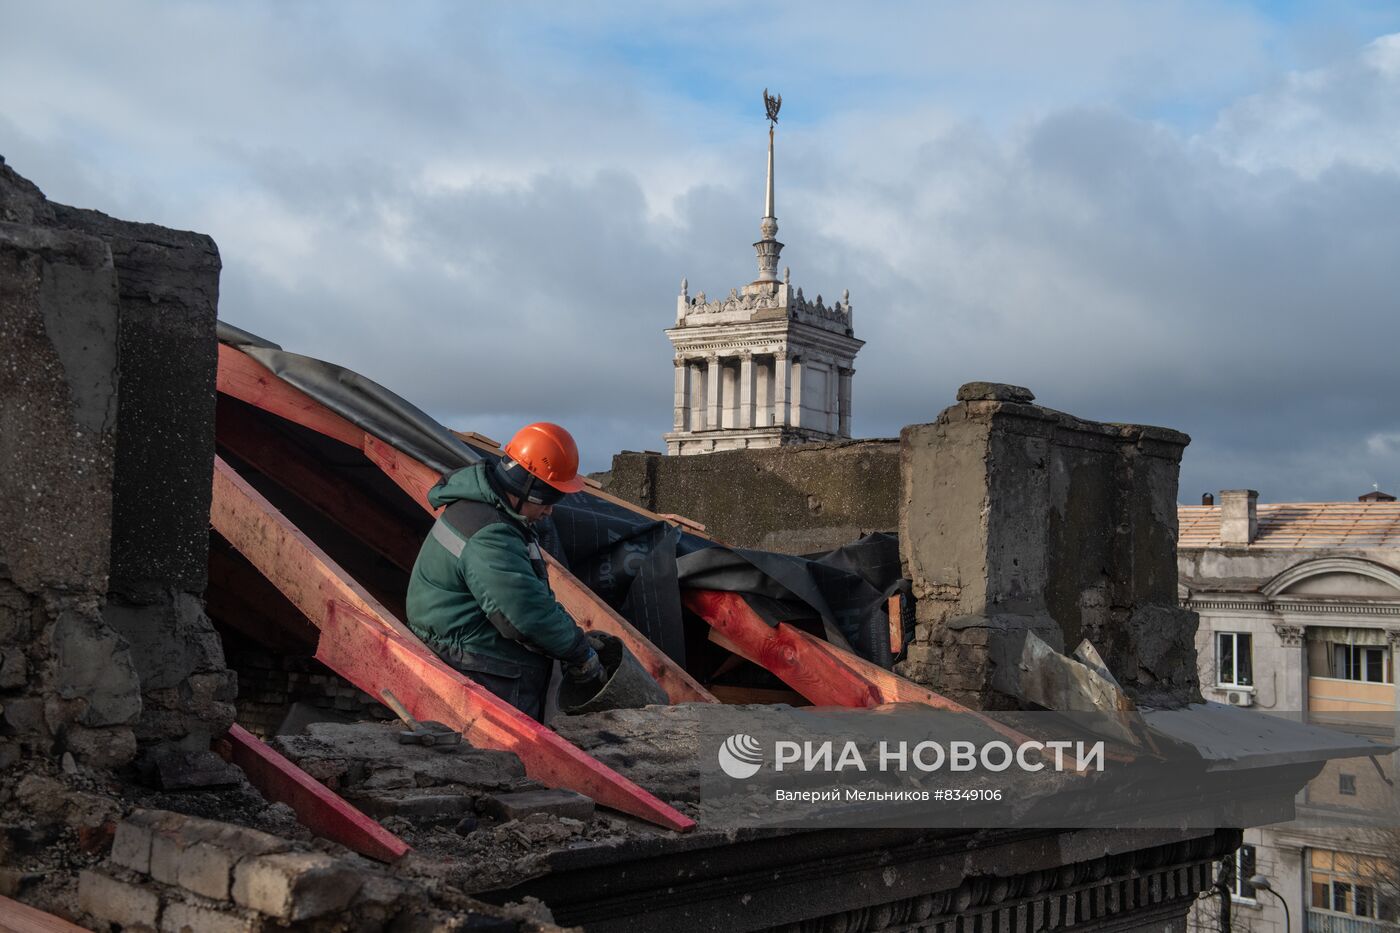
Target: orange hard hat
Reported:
point(548, 453)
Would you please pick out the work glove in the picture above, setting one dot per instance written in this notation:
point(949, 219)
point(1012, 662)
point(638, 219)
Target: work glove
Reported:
point(587, 668)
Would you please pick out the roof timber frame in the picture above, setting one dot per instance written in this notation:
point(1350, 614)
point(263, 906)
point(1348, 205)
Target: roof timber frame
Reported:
point(242, 377)
point(328, 597)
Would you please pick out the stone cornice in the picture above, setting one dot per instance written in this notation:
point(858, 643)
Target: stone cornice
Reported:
point(1288, 606)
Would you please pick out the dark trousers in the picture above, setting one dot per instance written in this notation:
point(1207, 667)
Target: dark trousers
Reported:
point(523, 686)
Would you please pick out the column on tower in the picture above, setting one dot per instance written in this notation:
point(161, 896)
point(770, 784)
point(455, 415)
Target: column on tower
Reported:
point(729, 393)
point(712, 378)
point(831, 405)
point(795, 395)
point(844, 424)
point(780, 388)
point(696, 394)
point(746, 385)
point(682, 395)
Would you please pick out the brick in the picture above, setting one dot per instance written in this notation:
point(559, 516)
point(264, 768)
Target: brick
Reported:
point(440, 807)
point(174, 840)
point(131, 846)
point(295, 885)
point(133, 906)
point(555, 802)
point(180, 917)
point(207, 869)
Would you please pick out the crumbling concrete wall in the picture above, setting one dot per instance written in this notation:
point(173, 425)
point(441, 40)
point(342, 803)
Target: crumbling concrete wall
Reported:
point(794, 500)
point(67, 683)
point(1019, 519)
point(108, 385)
point(168, 287)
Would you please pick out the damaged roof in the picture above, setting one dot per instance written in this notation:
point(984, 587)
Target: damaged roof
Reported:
point(1300, 525)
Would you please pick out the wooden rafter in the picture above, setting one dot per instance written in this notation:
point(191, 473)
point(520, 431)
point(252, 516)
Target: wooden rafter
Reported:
point(363, 629)
point(363, 651)
point(303, 476)
point(821, 672)
point(242, 377)
point(317, 807)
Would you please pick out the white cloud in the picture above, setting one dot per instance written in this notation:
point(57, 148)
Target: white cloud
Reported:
point(490, 213)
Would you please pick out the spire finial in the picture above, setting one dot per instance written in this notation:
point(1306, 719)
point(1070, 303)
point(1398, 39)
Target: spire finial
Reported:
point(768, 246)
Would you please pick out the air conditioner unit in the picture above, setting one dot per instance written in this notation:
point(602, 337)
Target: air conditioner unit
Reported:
point(1240, 698)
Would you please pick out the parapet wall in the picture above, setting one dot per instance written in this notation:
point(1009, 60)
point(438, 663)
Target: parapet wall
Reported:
point(794, 500)
point(1017, 519)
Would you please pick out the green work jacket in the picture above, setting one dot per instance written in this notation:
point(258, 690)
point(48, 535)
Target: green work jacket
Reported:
point(479, 584)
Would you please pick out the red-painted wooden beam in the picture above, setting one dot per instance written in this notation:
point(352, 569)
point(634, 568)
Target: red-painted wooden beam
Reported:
point(289, 560)
point(821, 672)
point(242, 377)
point(301, 474)
point(363, 630)
point(363, 651)
point(317, 807)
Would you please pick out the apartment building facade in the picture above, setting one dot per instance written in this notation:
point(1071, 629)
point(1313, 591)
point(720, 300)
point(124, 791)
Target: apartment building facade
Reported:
point(1300, 616)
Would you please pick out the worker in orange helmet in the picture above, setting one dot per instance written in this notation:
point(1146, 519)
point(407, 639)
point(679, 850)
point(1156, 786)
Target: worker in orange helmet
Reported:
point(479, 595)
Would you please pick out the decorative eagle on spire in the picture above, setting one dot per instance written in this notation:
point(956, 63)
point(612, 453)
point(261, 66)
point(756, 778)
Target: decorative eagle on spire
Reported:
point(772, 104)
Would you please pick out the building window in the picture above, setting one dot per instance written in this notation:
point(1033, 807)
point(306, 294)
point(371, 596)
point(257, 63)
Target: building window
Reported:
point(1241, 889)
point(1360, 662)
point(1234, 659)
point(1347, 785)
point(1348, 884)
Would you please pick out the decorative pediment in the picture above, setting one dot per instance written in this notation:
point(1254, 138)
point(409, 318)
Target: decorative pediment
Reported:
point(1345, 577)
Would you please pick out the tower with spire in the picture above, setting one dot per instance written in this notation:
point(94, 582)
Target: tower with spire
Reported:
point(764, 366)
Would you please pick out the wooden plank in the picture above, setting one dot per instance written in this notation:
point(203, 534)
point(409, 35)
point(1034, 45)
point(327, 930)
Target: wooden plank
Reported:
point(411, 476)
point(823, 673)
point(894, 608)
point(365, 651)
point(244, 378)
point(291, 467)
point(239, 597)
point(21, 918)
point(745, 633)
point(733, 695)
point(317, 807)
point(592, 614)
point(778, 649)
point(285, 556)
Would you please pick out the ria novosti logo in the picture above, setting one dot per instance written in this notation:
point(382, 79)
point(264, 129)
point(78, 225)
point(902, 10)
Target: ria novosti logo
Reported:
point(740, 756)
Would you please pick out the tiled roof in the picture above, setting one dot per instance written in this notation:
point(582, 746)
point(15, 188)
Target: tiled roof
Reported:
point(1300, 525)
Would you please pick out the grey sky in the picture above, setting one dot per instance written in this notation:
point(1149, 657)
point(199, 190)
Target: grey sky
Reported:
point(1177, 213)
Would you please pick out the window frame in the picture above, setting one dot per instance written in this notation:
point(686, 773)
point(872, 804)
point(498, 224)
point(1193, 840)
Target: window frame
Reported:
point(1246, 866)
point(1235, 642)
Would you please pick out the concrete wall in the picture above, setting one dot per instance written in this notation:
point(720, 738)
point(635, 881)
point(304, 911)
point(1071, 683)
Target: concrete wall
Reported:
point(67, 682)
point(1021, 519)
point(794, 500)
point(108, 385)
point(168, 287)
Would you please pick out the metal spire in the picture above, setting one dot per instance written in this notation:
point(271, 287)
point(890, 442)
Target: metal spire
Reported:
point(768, 247)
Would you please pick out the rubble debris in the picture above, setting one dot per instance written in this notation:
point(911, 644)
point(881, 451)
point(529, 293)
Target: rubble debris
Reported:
point(564, 804)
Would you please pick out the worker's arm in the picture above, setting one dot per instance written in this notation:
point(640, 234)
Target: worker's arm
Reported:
point(497, 569)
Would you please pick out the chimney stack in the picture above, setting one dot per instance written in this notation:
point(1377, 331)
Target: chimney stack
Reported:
point(1207, 499)
point(1239, 516)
